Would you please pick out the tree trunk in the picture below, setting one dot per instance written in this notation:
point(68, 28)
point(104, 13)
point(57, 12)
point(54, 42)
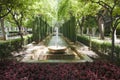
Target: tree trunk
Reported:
point(21, 34)
point(81, 25)
point(101, 28)
point(88, 31)
point(113, 44)
point(19, 24)
point(3, 28)
point(93, 31)
point(82, 30)
point(90, 42)
point(115, 36)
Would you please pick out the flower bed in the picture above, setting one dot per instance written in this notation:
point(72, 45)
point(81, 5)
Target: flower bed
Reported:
point(98, 70)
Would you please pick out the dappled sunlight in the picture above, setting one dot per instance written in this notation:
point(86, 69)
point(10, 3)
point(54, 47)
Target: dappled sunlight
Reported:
point(32, 52)
point(59, 39)
point(40, 52)
point(36, 52)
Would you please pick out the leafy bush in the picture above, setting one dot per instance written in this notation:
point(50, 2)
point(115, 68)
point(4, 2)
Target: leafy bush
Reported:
point(28, 39)
point(7, 47)
point(83, 39)
point(15, 44)
point(104, 48)
point(117, 51)
point(4, 49)
point(96, 45)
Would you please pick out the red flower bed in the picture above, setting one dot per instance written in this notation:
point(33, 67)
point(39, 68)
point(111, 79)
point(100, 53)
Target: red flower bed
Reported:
point(59, 71)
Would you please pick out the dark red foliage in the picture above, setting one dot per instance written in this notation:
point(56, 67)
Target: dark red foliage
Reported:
point(99, 70)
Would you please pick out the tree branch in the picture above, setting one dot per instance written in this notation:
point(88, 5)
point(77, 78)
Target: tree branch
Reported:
point(21, 13)
point(13, 15)
point(9, 10)
point(116, 25)
point(103, 4)
point(115, 2)
point(116, 22)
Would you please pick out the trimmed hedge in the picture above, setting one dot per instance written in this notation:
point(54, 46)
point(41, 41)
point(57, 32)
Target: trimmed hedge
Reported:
point(103, 48)
point(6, 47)
point(83, 39)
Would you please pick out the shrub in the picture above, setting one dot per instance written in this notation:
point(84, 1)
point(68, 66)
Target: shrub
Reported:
point(6, 47)
point(28, 39)
point(96, 46)
point(106, 48)
point(117, 51)
point(103, 48)
point(83, 39)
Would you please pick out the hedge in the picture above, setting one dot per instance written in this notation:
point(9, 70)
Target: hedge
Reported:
point(101, 47)
point(6, 47)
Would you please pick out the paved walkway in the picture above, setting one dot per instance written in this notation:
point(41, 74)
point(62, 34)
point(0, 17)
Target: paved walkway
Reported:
point(83, 49)
point(33, 52)
point(39, 53)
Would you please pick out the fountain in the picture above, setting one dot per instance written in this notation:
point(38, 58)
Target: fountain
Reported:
point(56, 48)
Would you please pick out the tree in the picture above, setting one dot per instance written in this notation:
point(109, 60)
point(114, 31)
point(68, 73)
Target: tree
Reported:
point(5, 9)
point(101, 22)
point(80, 23)
point(113, 8)
point(20, 13)
point(90, 23)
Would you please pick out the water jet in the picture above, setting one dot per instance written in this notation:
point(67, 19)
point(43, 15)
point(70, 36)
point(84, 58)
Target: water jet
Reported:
point(57, 47)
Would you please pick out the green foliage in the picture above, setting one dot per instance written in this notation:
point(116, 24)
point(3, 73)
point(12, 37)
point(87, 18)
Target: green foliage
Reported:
point(90, 22)
point(40, 29)
point(118, 30)
point(69, 29)
point(103, 48)
point(116, 11)
point(95, 46)
point(83, 39)
point(15, 44)
point(4, 49)
point(7, 47)
point(46, 9)
point(63, 10)
point(28, 39)
point(117, 51)
point(90, 8)
point(4, 5)
point(77, 8)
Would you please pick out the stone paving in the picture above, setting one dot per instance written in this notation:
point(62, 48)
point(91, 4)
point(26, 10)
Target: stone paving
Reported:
point(37, 53)
point(85, 50)
point(77, 52)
